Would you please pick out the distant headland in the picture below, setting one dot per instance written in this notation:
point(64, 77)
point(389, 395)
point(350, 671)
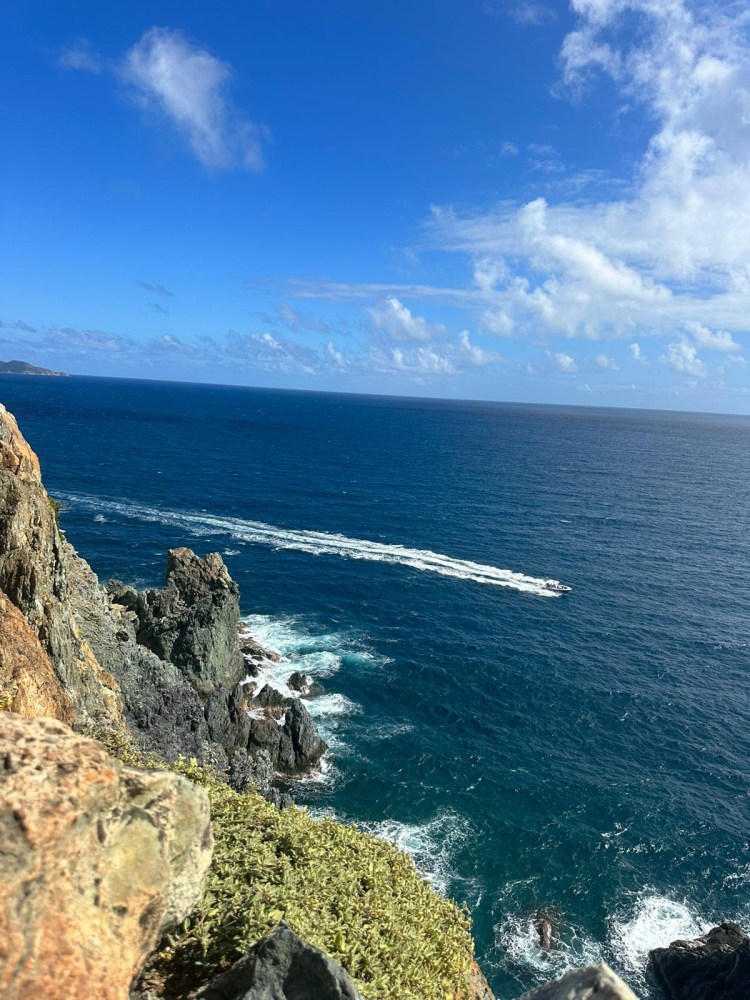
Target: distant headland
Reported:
point(24, 368)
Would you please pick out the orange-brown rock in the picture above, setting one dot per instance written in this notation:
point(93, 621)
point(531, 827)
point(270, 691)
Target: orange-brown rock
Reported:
point(34, 576)
point(98, 860)
point(28, 683)
point(479, 988)
point(15, 454)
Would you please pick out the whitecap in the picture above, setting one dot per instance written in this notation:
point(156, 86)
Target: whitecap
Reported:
point(518, 939)
point(654, 921)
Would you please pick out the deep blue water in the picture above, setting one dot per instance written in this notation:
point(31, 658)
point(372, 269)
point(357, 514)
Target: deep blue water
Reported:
point(588, 753)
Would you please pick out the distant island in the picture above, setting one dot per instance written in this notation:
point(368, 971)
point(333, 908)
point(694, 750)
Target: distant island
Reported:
point(24, 368)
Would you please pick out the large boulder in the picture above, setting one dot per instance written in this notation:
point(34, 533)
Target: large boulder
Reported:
point(282, 967)
point(192, 621)
point(592, 981)
point(99, 860)
point(711, 967)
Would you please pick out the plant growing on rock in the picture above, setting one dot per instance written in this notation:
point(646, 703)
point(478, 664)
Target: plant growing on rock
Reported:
point(356, 897)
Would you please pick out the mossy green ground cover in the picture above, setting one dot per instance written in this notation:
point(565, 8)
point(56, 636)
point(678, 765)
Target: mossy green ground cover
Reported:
point(354, 896)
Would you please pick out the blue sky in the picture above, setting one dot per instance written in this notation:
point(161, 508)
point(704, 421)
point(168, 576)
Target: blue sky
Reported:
point(497, 199)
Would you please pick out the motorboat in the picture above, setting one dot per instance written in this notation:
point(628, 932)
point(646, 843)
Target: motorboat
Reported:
point(556, 587)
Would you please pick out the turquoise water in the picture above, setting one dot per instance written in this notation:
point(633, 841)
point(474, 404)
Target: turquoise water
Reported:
point(585, 754)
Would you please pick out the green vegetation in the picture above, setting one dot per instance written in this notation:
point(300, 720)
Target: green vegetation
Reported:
point(56, 508)
point(356, 897)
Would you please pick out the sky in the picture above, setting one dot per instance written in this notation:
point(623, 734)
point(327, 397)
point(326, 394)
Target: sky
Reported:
point(522, 200)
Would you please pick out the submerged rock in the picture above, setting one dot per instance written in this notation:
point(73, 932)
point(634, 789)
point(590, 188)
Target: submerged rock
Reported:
point(593, 982)
point(282, 967)
point(99, 860)
point(714, 966)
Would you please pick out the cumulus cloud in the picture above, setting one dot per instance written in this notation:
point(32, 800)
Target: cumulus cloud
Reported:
point(637, 353)
point(188, 88)
point(673, 251)
point(718, 340)
point(399, 323)
point(474, 354)
point(606, 363)
point(508, 149)
point(565, 363)
point(683, 358)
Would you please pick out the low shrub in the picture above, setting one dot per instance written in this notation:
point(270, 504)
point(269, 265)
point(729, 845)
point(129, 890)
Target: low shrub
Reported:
point(357, 898)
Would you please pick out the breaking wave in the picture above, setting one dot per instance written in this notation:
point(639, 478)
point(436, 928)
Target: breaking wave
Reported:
point(321, 543)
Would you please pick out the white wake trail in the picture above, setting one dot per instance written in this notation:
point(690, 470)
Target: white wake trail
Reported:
point(320, 543)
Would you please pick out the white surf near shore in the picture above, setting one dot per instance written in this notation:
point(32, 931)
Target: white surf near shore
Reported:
point(650, 921)
point(318, 656)
point(321, 543)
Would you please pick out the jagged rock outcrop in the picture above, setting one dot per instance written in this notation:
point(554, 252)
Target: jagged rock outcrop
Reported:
point(29, 685)
point(192, 621)
point(210, 698)
point(98, 861)
point(592, 982)
point(282, 967)
point(33, 576)
point(711, 967)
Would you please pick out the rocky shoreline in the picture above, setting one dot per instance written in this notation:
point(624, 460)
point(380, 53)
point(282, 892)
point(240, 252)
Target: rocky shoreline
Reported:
point(102, 859)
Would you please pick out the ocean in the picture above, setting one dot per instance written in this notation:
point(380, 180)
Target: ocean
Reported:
point(584, 755)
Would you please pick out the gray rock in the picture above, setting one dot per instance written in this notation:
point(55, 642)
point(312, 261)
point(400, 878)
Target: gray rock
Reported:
point(192, 621)
point(711, 967)
point(282, 967)
point(269, 697)
point(593, 982)
point(299, 682)
point(307, 745)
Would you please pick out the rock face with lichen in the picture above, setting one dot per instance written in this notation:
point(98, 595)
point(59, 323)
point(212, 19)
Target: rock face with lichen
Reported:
point(99, 860)
point(34, 578)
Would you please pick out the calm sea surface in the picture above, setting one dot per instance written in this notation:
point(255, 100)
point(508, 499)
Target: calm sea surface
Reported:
point(586, 755)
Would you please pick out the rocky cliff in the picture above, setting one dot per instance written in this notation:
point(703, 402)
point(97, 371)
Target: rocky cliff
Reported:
point(165, 664)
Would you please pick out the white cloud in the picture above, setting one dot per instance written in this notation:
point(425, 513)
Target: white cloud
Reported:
point(637, 353)
point(188, 87)
point(720, 340)
point(608, 364)
point(683, 357)
point(676, 249)
point(415, 361)
point(476, 355)
point(335, 356)
point(399, 323)
point(508, 149)
point(565, 363)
